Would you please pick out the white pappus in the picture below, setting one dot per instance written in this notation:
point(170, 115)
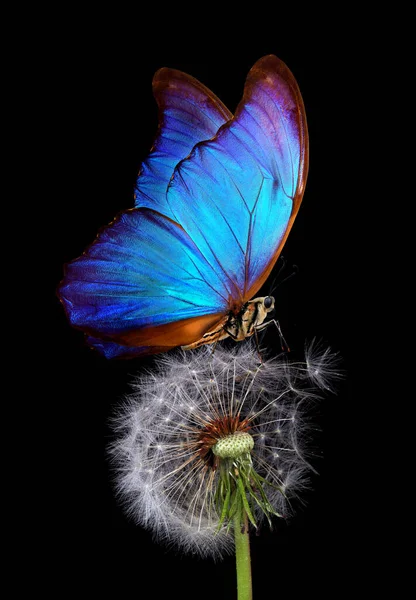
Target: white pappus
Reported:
point(201, 418)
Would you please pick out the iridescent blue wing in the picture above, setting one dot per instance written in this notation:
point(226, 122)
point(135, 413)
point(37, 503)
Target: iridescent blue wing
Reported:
point(238, 194)
point(188, 113)
point(149, 283)
point(142, 286)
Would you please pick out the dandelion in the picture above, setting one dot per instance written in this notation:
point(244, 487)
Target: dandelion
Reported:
point(212, 443)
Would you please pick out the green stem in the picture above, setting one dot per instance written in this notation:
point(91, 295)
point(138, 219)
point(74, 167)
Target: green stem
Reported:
point(242, 555)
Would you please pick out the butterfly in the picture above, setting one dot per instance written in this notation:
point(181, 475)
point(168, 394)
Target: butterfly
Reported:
point(214, 204)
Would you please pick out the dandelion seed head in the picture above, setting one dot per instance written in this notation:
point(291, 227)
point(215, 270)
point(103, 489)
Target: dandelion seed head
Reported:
point(201, 414)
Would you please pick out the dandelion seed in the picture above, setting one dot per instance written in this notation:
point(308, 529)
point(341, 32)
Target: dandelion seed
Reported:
point(322, 365)
point(229, 433)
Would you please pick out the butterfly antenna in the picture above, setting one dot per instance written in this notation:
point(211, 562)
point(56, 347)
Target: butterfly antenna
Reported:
point(295, 271)
point(282, 266)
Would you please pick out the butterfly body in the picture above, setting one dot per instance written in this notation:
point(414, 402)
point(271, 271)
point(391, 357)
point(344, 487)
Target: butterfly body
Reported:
point(214, 204)
point(238, 326)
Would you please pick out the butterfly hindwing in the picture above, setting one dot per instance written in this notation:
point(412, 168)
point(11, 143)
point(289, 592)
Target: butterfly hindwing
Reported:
point(141, 276)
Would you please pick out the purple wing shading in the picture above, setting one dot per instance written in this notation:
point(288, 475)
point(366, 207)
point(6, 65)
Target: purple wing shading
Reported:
point(114, 350)
point(238, 194)
point(188, 113)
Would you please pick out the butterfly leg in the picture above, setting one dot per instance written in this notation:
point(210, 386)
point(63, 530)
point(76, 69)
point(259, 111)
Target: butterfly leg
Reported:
point(256, 337)
point(283, 342)
point(227, 333)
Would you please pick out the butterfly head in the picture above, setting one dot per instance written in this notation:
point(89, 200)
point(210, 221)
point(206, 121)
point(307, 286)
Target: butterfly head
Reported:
point(268, 303)
point(252, 315)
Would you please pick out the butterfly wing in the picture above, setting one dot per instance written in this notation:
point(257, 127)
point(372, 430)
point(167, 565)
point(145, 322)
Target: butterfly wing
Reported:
point(142, 286)
point(237, 195)
point(149, 282)
point(188, 113)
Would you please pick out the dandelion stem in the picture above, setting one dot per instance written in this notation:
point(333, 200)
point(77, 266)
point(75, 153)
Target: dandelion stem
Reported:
point(242, 555)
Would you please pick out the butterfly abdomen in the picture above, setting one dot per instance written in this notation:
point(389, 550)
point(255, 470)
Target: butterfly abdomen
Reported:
point(210, 337)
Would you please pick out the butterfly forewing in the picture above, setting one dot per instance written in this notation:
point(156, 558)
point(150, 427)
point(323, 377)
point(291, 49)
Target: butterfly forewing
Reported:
point(188, 113)
point(237, 195)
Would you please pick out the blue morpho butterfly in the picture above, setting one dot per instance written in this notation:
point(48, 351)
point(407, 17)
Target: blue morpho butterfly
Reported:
point(214, 204)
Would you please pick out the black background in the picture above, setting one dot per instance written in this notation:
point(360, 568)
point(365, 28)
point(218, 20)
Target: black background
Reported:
point(98, 119)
